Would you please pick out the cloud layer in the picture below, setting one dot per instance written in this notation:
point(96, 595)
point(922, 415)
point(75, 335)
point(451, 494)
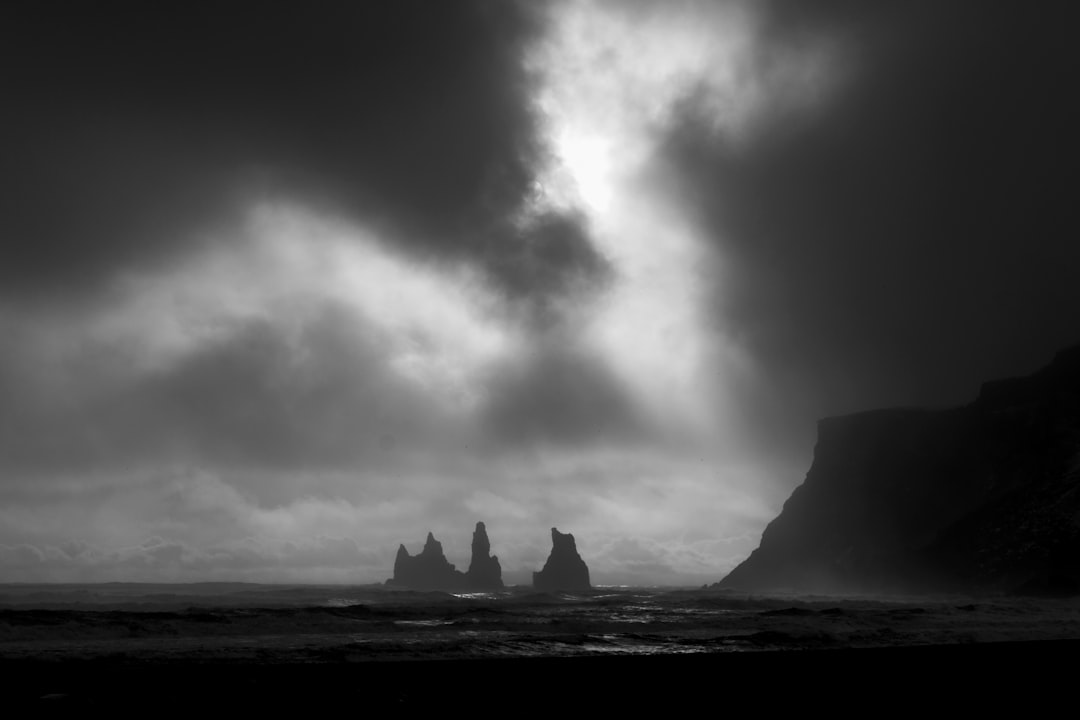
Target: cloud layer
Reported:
point(908, 238)
point(281, 290)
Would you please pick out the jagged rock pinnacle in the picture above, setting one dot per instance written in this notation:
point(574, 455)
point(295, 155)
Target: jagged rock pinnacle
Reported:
point(484, 573)
point(429, 570)
point(564, 569)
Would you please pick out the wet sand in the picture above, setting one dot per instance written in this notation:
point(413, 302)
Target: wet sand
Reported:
point(981, 677)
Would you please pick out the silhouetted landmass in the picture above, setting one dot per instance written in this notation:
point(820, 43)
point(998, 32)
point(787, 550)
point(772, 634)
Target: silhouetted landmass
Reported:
point(430, 570)
point(484, 573)
point(981, 498)
point(564, 569)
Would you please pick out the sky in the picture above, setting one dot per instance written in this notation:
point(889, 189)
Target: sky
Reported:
point(282, 287)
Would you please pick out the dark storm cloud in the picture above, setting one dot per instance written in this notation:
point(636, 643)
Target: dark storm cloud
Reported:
point(546, 261)
point(267, 398)
point(917, 232)
point(130, 128)
point(265, 395)
point(558, 395)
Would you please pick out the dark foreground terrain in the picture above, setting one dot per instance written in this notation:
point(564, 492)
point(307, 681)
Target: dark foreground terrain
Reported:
point(213, 646)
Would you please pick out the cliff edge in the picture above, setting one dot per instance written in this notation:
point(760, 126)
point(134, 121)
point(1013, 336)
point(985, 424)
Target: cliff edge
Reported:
point(981, 498)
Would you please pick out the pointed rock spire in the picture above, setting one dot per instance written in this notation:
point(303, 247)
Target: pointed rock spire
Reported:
point(484, 573)
point(564, 569)
point(429, 570)
point(432, 546)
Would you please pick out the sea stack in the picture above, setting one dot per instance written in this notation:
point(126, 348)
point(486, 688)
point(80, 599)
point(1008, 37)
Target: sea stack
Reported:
point(484, 573)
point(564, 569)
point(429, 570)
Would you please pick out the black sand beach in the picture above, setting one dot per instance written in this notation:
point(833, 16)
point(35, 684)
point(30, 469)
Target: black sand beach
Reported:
point(1035, 675)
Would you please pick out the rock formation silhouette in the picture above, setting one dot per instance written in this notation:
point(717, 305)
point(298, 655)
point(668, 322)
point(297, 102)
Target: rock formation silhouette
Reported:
point(484, 573)
point(981, 498)
point(564, 569)
point(429, 570)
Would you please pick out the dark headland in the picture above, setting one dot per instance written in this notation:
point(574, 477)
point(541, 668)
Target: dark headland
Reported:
point(983, 498)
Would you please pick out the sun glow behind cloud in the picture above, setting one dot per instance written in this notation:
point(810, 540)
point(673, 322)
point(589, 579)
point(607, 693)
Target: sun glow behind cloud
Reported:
point(611, 80)
point(614, 77)
point(374, 420)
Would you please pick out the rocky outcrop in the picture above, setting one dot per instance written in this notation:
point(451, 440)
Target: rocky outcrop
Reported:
point(564, 569)
point(981, 498)
point(484, 573)
point(429, 570)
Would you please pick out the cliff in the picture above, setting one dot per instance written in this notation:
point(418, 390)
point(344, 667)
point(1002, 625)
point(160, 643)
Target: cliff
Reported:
point(429, 570)
point(981, 498)
point(484, 573)
point(564, 569)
